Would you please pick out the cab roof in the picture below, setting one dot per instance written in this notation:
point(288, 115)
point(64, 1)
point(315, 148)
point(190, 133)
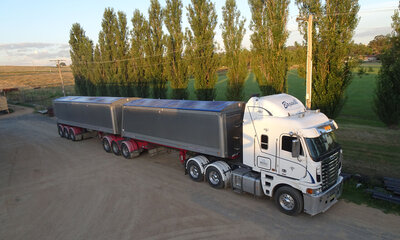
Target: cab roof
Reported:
point(279, 105)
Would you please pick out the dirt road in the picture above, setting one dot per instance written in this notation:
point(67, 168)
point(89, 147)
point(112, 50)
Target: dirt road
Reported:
point(52, 188)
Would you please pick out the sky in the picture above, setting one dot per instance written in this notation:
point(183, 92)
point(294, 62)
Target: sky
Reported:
point(34, 32)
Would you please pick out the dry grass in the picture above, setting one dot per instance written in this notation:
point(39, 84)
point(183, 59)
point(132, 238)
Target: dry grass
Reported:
point(25, 77)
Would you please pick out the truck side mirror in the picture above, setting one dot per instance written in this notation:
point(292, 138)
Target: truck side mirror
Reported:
point(295, 148)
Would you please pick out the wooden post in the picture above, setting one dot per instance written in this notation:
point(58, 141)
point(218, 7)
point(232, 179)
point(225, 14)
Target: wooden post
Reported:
point(62, 80)
point(309, 62)
point(58, 61)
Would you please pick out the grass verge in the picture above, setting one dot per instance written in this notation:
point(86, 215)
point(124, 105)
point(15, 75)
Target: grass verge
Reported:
point(358, 195)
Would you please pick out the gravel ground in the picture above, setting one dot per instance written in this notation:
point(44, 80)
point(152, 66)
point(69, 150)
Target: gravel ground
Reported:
point(52, 188)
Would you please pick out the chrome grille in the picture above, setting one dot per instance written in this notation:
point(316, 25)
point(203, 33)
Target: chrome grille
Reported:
point(330, 168)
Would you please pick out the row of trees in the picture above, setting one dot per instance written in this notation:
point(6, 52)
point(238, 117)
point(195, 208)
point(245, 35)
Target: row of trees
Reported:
point(131, 63)
point(387, 98)
point(143, 60)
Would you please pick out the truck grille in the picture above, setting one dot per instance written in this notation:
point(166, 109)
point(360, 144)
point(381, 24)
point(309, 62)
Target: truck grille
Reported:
point(330, 168)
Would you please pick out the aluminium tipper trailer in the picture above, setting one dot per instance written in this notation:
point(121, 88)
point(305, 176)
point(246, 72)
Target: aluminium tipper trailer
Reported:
point(207, 127)
point(101, 114)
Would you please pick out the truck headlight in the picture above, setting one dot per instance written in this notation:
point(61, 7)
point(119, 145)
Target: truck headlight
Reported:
point(314, 191)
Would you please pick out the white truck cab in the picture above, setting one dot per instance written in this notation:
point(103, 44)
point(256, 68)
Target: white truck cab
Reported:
point(295, 152)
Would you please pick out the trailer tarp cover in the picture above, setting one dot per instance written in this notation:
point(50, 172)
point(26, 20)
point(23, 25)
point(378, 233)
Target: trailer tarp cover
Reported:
point(211, 106)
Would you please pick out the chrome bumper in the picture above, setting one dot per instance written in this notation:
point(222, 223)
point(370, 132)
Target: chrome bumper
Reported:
point(314, 204)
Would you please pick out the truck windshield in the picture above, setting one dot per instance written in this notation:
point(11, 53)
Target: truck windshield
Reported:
point(321, 145)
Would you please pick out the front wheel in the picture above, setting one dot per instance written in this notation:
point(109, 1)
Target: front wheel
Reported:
point(289, 200)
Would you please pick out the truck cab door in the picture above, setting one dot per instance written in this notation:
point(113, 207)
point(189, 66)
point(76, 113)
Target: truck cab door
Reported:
point(264, 142)
point(293, 167)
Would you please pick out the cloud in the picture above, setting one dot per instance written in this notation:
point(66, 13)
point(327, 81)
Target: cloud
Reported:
point(33, 53)
point(366, 35)
point(47, 54)
point(373, 32)
point(9, 46)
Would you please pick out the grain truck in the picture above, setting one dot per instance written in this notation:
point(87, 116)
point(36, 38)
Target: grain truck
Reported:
point(270, 145)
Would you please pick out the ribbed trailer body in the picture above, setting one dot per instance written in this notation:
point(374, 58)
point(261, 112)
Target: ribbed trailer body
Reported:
point(95, 113)
point(207, 127)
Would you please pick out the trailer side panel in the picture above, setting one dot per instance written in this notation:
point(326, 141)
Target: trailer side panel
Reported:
point(94, 113)
point(196, 126)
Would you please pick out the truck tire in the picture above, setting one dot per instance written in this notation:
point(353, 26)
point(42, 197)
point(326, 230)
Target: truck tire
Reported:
point(214, 177)
point(106, 145)
point(289, 200)
point(126, 153)
point(60, 131)
point(115, 148)
point(194, 171)
point(66, 134)
point(72, 135)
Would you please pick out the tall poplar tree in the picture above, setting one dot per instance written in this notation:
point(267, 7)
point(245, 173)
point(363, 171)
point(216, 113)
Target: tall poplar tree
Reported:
point(232, 32)
point(122, 44)
point(387, 95)
point(155, 51)
point(82, 57)
point(108, 51)
point(203, 20)
point(98, 74)
point(176, 68)
point(269, 56)
point(332, 40)
point(137, 64)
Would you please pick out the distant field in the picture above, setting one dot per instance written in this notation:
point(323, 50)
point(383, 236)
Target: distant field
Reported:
point(31, 77)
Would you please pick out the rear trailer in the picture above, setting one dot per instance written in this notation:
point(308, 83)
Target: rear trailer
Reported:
point(211, 128)
point(101, 114)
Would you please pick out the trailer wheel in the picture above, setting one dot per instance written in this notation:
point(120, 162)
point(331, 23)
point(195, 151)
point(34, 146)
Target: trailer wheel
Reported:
point(60, 131)
point(72, 135)
point(106, 145)
point(195, 171)
point(214, 177)
point(126, 153)
point(115, 148)
point(66, 135)
point(289, 200)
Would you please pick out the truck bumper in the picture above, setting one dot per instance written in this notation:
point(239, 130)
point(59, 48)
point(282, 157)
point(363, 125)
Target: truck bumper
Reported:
point(314, 204)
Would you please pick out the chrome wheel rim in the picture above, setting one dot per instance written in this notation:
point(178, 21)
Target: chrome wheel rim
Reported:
point(106, 145)
point(286, 201)
point(125, 151)
point(115, 148)
point(194, 171)
point(213, 177)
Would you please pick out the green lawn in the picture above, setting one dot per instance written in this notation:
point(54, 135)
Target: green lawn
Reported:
point(358, 108)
